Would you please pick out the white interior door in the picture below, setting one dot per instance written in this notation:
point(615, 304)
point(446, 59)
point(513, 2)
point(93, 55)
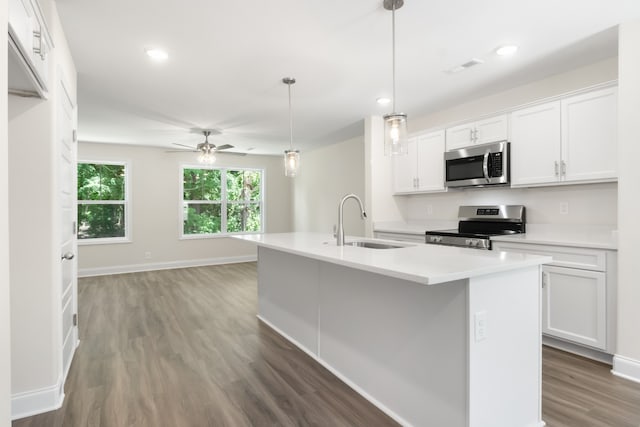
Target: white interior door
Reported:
point(68, 245)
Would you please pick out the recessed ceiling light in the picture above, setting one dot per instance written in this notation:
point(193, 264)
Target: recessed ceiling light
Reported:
point(383, 101)
point(506, 50)
point(157, 54)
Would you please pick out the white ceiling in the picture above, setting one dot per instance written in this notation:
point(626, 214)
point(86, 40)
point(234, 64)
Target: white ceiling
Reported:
point(227, 60)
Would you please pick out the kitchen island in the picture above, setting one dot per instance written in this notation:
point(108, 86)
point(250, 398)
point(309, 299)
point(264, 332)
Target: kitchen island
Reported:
point(432, 335)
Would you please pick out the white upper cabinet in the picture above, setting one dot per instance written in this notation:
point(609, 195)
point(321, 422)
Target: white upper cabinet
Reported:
point(405, 169)
point(29, 46)
point(568, 141)
point(431, 162)
point(479, 132)
point(535, 144)
point(460, 136)
point(590, 136)
point(422, 169)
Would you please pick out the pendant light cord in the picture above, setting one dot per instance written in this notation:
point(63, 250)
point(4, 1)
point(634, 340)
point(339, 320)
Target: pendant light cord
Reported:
point(290, 120)
point(393, 51)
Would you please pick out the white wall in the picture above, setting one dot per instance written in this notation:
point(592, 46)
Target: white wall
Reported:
point(378, 177)
point(5, 336)
point(326, 175)
point(155, 191)
point(627, 360)
point(588, 204)
point(35, 229)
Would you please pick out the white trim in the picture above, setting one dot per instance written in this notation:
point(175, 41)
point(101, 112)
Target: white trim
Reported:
point(38, 401)
point(626, 368)
point(134, 268)
point(580, 350)
point(104, 241)
point(341, 377)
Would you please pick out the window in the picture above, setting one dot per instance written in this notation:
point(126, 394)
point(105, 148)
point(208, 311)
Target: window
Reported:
point(102, 202)
point(221, 201)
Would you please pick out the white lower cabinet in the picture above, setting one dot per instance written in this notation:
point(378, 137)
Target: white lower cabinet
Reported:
point(578, 293)
point(574, 305)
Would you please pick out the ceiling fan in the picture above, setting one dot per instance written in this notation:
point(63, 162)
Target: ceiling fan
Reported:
point(206, 148)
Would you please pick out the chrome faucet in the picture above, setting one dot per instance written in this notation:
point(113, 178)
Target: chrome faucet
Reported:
point(340, 231)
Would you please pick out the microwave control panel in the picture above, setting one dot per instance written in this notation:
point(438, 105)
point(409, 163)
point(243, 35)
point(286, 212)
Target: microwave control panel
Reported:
point(495, 165)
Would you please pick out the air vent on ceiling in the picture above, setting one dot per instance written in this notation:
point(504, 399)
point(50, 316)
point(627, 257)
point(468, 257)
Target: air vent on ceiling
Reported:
point(468, 64)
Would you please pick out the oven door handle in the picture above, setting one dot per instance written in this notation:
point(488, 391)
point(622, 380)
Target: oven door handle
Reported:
point(485, 166)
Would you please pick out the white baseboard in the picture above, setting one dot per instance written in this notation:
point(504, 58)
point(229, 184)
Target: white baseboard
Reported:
point(627, 368)
point(580, 350)
point(135, 268)
point(36, 402)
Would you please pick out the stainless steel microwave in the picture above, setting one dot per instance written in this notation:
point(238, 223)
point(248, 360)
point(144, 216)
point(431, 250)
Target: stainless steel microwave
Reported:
point(478, 165)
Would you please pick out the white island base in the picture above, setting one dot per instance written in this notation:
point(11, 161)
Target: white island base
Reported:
point(460, 353)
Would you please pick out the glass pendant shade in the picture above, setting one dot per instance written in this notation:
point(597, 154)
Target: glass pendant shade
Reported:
point(395, 134)
point(291, 162)
point(206, 158)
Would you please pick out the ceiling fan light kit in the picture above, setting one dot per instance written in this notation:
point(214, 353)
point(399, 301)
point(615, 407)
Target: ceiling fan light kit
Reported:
point(291, 156)
point(395, 124)
point(207, 150)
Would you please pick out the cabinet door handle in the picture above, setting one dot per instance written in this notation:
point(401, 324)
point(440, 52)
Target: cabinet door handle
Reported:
point(417, 182)
point(38, 48)
point(564, 168)
point(544, 279)
point(475, 135)
point(557, 168)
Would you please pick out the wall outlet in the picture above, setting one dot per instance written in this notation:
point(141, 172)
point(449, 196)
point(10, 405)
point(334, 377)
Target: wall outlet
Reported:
point(429, 209)
point(480, 319)
point(564, 208)
point(147, 255)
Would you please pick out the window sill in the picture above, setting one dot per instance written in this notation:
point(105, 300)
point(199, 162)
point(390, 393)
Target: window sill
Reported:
point(214, 236)
point(104, 241)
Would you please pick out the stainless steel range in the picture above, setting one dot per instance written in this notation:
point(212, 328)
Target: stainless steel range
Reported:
point(477, 224)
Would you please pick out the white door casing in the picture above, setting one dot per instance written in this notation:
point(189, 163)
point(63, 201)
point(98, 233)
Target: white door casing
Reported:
point(68, 244)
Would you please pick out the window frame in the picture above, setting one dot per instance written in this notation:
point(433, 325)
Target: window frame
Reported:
point(128, 237)
point(222, 203)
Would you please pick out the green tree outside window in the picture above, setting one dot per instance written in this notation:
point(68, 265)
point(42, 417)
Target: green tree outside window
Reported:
point(221, 201)
point(101, 201)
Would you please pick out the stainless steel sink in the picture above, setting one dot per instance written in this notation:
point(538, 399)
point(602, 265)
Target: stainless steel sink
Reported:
point(374, 245)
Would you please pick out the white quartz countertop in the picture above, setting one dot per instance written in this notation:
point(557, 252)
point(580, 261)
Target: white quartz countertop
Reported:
point(415, 227)
point(596, 237)
point(425, 264)
point(584, 236)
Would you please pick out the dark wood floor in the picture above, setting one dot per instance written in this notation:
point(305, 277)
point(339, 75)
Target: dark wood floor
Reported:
point(184, 348)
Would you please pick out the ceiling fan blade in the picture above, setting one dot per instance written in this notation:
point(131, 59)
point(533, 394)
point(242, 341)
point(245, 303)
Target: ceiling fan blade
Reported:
point(231, 153)
point(183, 145)
point(224, 147)
point(182, 151)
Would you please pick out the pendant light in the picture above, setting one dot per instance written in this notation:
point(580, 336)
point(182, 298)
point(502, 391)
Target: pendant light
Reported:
point(395, 124)
point(291, 156)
